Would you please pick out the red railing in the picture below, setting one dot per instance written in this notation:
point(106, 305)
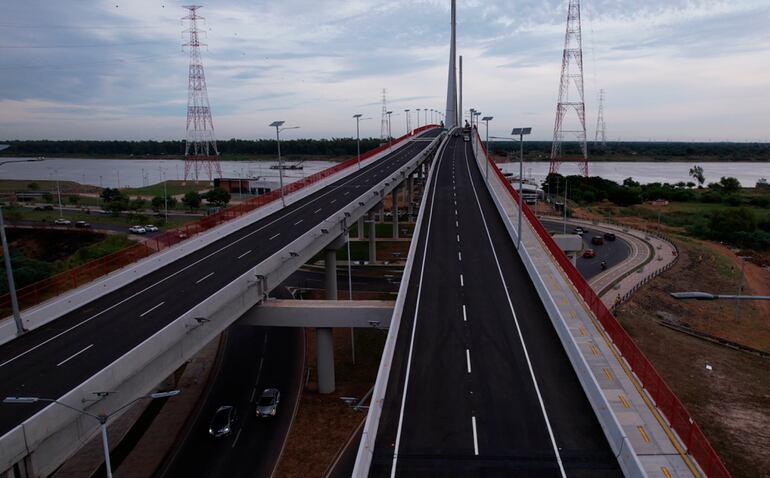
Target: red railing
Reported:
point(57, 284)
point(667, 402)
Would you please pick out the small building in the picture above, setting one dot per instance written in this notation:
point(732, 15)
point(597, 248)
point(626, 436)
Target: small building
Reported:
point(253, 186)
point(658, 202)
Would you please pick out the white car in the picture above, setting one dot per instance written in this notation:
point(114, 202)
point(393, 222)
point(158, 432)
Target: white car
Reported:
point(137, 229)
point(62, 222)
point(151, 228)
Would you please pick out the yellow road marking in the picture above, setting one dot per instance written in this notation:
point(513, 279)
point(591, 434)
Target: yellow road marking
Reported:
point(594, 350)
point(582, 331)
point(665, 472)
point(607, 373)
point(624, 401)
point(644, 434)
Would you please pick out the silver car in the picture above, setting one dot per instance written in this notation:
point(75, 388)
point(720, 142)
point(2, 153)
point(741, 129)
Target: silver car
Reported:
point(268, 402)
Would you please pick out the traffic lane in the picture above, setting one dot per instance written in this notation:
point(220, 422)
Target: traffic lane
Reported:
point(582, 446)
point(255, 358)
point(129, 332)
point(516, 436)
point(613, 252)
point(382, 459)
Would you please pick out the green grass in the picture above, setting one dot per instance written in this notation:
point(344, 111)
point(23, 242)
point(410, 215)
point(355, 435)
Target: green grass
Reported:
point(27, 214)
point(43, 185)
point(684, 214)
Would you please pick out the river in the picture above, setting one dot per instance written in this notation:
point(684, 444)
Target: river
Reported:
point(138, 173)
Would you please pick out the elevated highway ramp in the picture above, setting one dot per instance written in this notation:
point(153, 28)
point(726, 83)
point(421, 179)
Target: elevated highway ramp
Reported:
point(480, 384)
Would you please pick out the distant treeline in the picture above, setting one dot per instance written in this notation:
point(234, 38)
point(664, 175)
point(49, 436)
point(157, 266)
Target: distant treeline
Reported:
point(534, 150)
point(236, 147)
point(647, 151)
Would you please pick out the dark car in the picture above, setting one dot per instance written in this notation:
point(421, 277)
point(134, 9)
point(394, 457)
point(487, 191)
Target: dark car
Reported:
point(82, 224)
point(47, 207)
point(609, 236)
point(589, 253)
point(222, 422)
point(597, 240)
point(268, 402)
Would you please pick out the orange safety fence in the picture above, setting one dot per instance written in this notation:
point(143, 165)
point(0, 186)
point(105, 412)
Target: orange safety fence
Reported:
point(57, 284)
point(667, 402)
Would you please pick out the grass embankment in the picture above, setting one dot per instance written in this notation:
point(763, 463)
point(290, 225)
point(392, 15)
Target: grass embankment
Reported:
point(28, 214)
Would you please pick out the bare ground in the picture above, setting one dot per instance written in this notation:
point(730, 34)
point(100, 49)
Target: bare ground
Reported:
point(731, 402)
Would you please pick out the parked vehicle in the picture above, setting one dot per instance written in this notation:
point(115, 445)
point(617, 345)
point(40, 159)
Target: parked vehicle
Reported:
point(222, 422)
point(268, 402)
point(62, 222)
point(82, 224)
point(597, 240)
point(589, 253)
point(609, 236)
point(47, 207)
point(579, 231)
point(151, 228)
point(137, 229)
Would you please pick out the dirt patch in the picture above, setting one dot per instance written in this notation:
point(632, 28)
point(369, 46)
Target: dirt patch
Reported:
point(731, 401)
point(50, 245)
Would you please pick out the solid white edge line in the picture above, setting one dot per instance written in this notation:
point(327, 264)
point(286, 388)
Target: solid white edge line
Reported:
point(237, 436)
point(142, 315)
point(516, 322)
point(73, 356)
point(414, 324)
point(475, 437)
point(244, 254)
point(468, 359)
point(204, 278)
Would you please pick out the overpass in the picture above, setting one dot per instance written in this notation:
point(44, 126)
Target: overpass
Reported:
point(109, 341)
point(500, 362)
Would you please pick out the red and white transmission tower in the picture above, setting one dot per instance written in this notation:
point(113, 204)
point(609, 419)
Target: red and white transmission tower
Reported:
point(571, 79)
point(200, 150)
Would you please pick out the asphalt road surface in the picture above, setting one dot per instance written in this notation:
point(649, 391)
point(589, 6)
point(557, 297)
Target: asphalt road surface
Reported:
point(613, 252)
point(480, 384)
point(51, 360)
point(255, 358)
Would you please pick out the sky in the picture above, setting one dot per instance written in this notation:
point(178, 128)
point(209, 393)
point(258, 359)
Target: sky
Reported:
point(685, 70)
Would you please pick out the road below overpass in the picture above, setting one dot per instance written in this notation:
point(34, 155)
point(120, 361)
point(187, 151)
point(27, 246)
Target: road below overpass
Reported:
point(480, 384)
point(55, 358)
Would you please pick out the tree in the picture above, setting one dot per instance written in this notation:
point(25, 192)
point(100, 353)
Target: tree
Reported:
point(112, 194)
point(157, 203)
point(33, 186)
point(629, 182)
point(137, 204)
point(690, 184)
point(192, 200)
point(116, 206)
point(48, 197)
point(217, 197)
point(724, 223)
point(730, 185)
point(696, 172)
point(74, 199)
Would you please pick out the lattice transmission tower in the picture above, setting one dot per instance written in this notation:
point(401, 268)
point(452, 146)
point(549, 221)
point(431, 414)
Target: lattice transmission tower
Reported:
point(384, 120)
point(601, 129)
point(571, 96)
point(200, 150)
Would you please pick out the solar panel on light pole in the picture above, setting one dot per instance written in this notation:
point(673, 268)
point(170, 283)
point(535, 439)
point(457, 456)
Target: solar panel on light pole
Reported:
point(521, 132)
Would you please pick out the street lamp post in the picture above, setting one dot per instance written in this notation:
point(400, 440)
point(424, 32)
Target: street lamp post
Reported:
point(390, 136)
point(407, 120)
point(357, 116)
point(418, 117)
point(521, 132)
point(9, 274)
point(487, 119)
point(277, 125)
point(101, 418)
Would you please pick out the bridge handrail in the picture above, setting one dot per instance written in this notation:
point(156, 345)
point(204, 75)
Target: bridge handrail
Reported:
point(666, 401)
point(57, 284)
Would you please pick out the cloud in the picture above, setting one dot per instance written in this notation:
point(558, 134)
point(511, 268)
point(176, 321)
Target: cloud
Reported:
point(671, 68)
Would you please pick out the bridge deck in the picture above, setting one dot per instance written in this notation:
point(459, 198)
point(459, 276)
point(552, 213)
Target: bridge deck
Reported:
point(480, 383)
point(55, 358)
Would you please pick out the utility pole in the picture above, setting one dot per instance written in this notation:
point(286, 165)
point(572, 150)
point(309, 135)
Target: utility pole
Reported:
point(357, 116)
point(9, 274)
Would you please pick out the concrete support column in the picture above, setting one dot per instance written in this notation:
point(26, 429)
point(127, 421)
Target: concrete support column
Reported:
point(381, 212)
point(324, 338)
point(360, 228)
point(394, 211)
point(409, 196)
point(372, 241)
